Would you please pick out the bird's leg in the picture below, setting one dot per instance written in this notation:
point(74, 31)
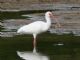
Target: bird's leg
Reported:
point(34, 43)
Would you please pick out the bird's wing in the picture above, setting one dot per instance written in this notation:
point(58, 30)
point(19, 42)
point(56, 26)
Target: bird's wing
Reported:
point(35, 27)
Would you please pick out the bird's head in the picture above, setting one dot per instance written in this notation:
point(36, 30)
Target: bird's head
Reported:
point(48, 14)
point(53, 16)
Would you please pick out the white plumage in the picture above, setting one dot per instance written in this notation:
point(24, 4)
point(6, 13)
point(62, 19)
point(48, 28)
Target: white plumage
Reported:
point(37, 27)
point(33, 28)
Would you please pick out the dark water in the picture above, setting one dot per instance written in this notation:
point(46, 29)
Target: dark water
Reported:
point(57, 47)
point(48, 45)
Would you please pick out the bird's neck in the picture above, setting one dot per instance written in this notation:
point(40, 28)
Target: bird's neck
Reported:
point(48, 20)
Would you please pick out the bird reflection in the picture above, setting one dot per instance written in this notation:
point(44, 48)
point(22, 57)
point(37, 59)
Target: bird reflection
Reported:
point(32, 56)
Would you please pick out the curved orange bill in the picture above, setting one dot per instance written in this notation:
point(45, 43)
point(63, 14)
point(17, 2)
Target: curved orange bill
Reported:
point(57, 22)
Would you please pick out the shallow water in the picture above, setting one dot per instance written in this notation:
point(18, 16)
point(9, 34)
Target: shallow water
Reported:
point(57, 47)
point(14, 20)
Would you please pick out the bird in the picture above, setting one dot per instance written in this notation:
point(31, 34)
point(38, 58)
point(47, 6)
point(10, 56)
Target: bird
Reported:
point(38, 27)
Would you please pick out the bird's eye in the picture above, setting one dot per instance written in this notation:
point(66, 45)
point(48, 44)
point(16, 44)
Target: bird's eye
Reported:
point(50, 14)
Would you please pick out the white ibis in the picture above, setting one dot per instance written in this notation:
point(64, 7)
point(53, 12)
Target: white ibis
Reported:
point(35, 28)
point(38, 27)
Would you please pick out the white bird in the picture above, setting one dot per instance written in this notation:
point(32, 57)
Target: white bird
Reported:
point(37, 27)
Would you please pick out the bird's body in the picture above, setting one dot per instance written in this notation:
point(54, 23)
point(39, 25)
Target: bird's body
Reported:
point(34, 28)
